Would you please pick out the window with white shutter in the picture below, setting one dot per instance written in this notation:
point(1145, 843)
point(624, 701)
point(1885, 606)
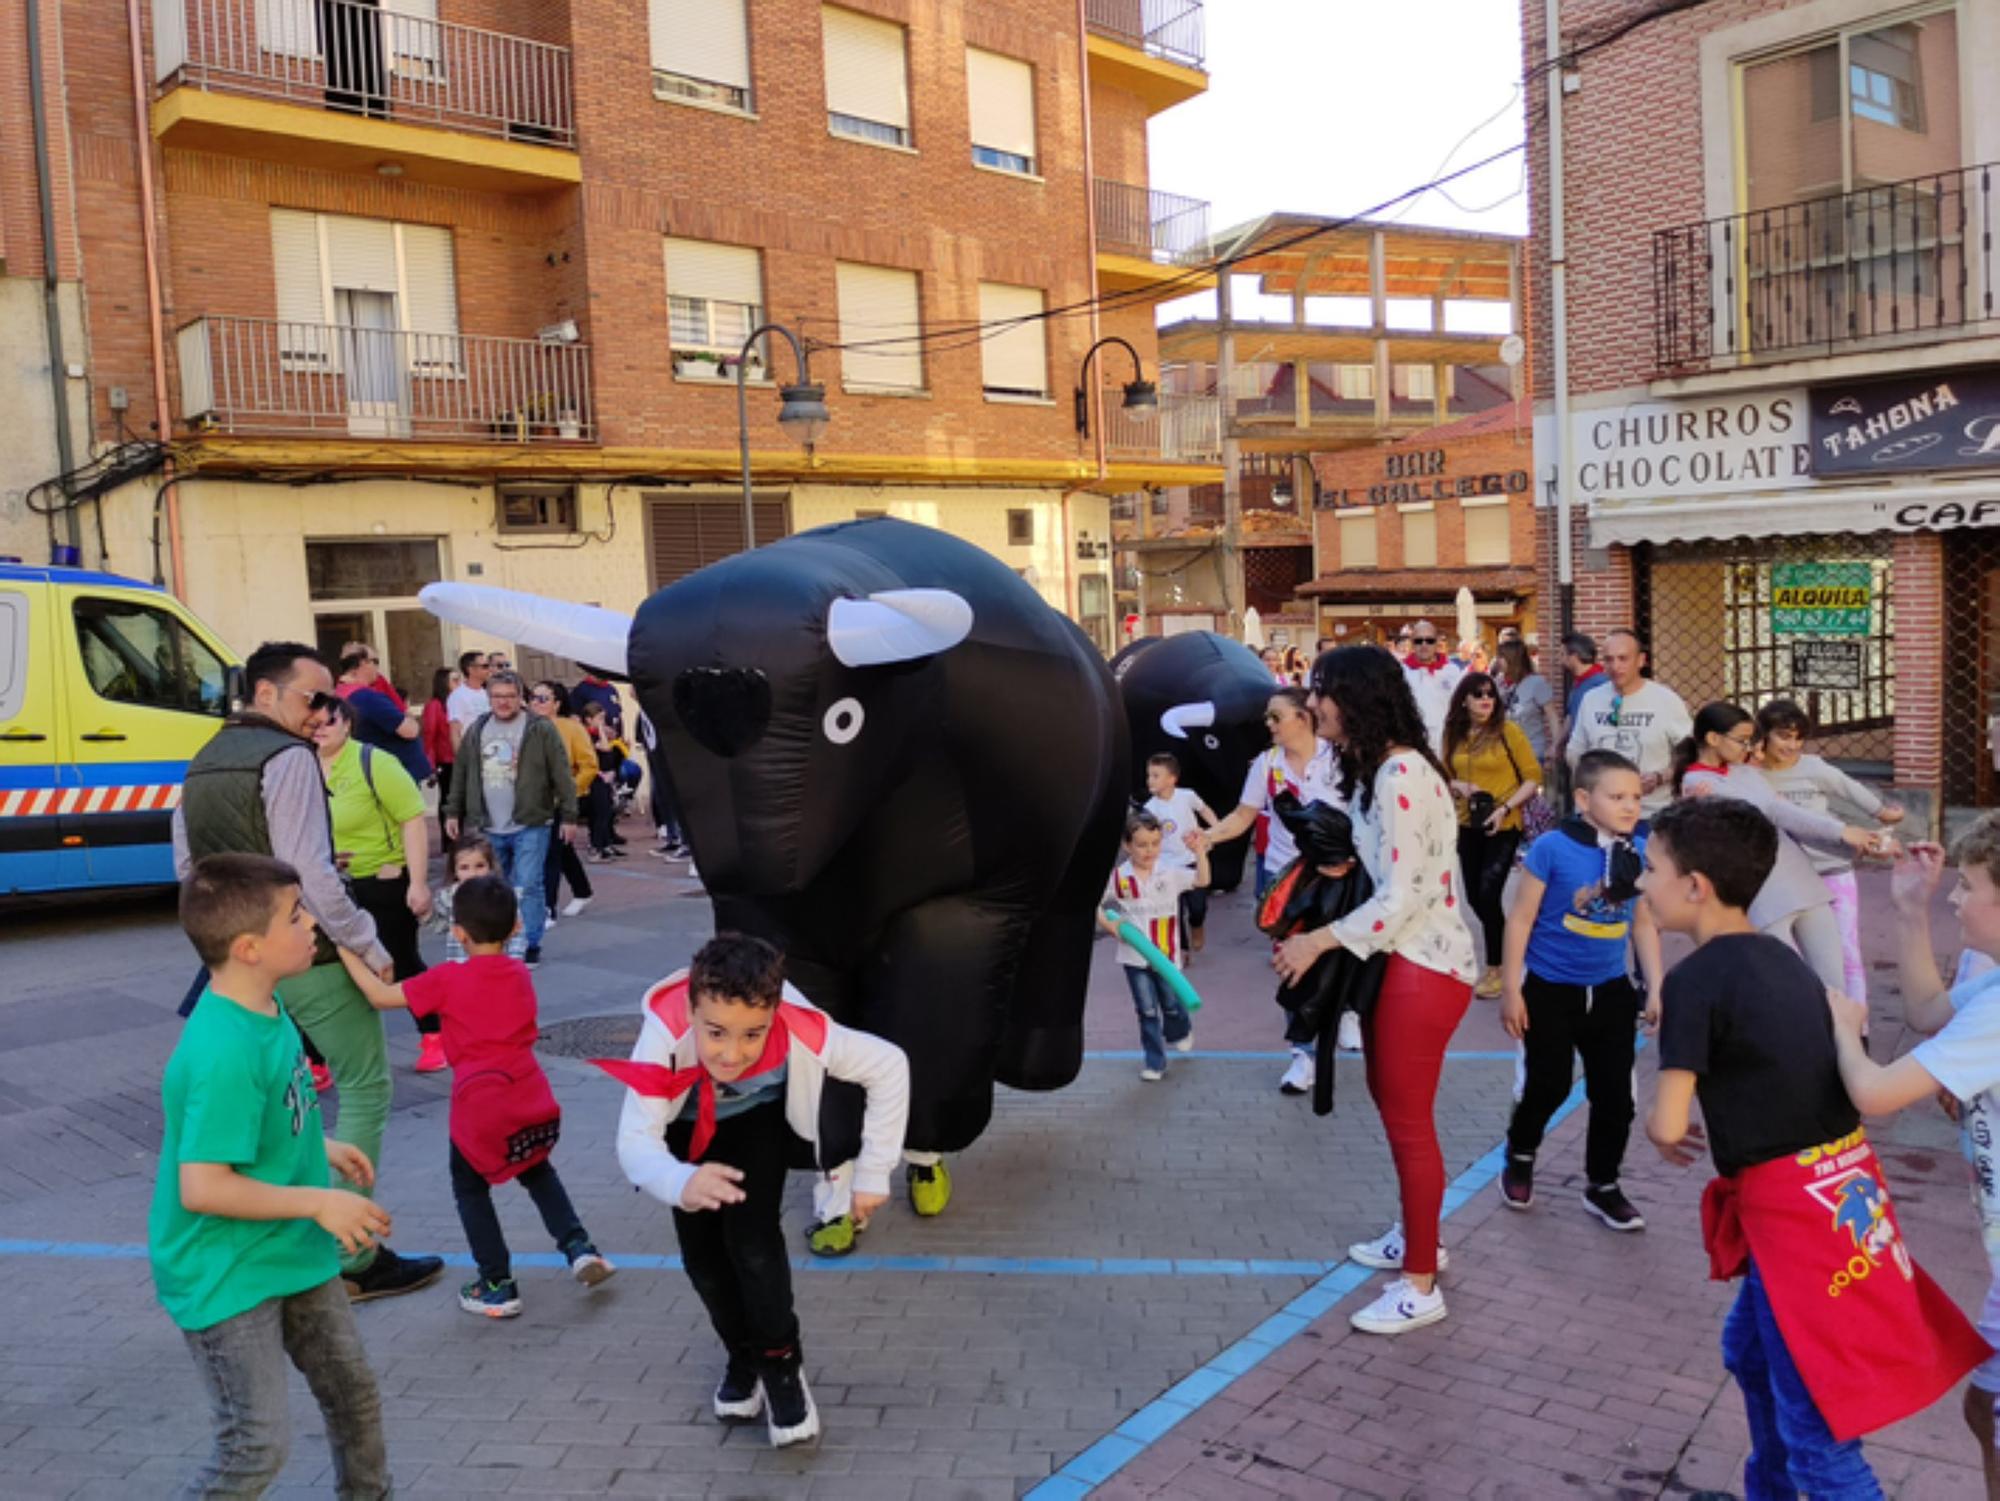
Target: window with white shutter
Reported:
point(879, 304)
point(867, 77)
point(1420, 537)
point(315, 257)
point(1357, 539)
point(715, 297)
point(1001, 91)
point(1488, 534)
point(300, 275)
point(1014, 347)
point(430, 299)
point(701, 51)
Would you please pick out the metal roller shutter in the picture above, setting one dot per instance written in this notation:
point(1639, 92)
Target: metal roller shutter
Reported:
point(1002, 95)
point(867, 75)
point(879, 303)
point(706, 40)
point(1015, 359)
point(685, 536)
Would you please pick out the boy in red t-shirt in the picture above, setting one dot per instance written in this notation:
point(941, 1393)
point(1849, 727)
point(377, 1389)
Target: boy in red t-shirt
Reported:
point(504, 1117)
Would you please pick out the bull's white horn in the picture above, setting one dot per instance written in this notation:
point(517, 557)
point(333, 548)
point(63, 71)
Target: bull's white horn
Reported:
point(896, 625)
point(1181, 718)
point(588, 634)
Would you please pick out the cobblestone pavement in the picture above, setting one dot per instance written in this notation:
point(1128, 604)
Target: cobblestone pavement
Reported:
point(1108, 1243)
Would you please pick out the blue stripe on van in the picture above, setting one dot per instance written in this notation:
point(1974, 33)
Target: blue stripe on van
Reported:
point(104, 774)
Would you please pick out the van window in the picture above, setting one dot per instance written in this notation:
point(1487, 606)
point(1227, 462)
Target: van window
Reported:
point(13, 653)
point(140, 654)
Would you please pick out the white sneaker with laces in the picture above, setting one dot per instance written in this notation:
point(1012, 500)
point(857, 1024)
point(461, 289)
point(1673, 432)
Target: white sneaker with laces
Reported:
point(1298, 1074)
point(1183, 1045)
point(1348, 1040)
point(575, 905)
point(1151, 1075)
point(1385, 1251)
point(1399, 1309)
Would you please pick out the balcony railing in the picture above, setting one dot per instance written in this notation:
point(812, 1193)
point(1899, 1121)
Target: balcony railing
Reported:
point(1902, 262)
point(1184, 430)
point(264, 375)
point(368, 60)
point(1167, 29)
point(1160, 227)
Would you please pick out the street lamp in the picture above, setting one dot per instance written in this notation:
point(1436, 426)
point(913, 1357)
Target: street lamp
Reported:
point(1142, 397)
point(801, 412)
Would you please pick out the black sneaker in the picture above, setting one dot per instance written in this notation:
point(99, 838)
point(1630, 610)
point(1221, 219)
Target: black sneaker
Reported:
point(1611, 1206)
point(1517, 1183)
point(789, 1410)
point(389, 1274)
point(533, 957)
point(740, 1396)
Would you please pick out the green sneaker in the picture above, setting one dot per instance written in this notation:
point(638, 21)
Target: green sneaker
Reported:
point(930, 1187)
point(832, 1237)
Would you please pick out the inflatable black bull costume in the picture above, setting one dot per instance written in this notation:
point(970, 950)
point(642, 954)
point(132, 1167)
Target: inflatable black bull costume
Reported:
point(897, 762)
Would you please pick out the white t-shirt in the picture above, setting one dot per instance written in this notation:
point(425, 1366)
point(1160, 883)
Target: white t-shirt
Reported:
point(465, 705)
point(1643, 726)
point(1177, 820)
point(1152, 904)
point(1432, 688)
point(1269, 775)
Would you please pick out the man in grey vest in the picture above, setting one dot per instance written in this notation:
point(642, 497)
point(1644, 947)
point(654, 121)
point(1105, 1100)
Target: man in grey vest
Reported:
point(256, 789)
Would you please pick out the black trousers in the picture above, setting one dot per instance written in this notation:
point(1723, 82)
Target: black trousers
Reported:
point(1484, 860)
point(482, 1226)
point(1601, 1023)
point(602, 811)
point(387, 900)
point(666, 812)
point(563, 864)
point(735, 1256)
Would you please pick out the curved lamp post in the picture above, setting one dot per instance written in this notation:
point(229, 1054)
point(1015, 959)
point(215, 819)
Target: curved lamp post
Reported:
point(801, 412)
point(1142, 397)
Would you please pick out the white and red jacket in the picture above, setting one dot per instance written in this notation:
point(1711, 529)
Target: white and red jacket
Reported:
point(819, 1047)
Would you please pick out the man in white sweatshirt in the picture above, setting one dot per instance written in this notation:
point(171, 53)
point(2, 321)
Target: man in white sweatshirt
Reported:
point(1432, 676)
point(1630, 713)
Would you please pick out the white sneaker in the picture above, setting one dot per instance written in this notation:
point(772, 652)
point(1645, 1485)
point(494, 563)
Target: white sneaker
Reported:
point(1152, 1075)
point(1385, 1252)
point(1298, 1074)
point(549, 922)
point(1348, 1040)
point(1185, 1045)
point(575, 905)
point(1400, 1309)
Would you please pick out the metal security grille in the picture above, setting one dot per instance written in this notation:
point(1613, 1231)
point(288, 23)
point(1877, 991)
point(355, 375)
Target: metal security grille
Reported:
point(1709, 615)
point(1970, 654)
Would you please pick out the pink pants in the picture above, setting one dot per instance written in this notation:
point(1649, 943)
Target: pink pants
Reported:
point(1405, 1037)
point(1846, 896)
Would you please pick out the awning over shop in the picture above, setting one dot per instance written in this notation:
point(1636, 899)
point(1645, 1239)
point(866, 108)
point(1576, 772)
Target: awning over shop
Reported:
point(1820, 510)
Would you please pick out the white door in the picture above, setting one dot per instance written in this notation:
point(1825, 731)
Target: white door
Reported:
point(378, 403)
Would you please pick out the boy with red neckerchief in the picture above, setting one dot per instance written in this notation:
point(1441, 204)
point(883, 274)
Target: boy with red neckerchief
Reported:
point(751, 1057)
point(1836, 1332)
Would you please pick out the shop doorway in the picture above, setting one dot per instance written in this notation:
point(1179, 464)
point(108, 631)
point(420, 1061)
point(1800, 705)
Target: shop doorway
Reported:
point(366, 592)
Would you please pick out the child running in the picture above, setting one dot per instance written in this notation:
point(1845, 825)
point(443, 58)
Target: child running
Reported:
point(504, 1116)
point(471, 858)
point(1566, 987)
point(245, 1233)
point(1146, 891)
point(1181, 812)
point(1962, 1058)
point(754, 1056)
point(1836, 1332)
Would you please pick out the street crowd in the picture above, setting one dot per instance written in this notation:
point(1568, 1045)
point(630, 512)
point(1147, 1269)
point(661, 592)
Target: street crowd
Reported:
point(1430, 828)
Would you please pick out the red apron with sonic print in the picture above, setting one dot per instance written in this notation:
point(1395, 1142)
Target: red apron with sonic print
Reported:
point(1874, 1338)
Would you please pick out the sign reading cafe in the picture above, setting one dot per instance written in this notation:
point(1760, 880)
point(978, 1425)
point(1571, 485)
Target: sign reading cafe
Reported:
point(1946, 420)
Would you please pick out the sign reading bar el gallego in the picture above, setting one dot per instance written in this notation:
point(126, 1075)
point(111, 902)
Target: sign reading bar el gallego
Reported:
point(1946, 420)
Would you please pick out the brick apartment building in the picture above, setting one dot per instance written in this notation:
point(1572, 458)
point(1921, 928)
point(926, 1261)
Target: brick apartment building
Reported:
point(454, 290)
point(1784, 362)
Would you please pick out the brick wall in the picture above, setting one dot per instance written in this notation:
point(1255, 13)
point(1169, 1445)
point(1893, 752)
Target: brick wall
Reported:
point(1357, 470)
point(1920, 626)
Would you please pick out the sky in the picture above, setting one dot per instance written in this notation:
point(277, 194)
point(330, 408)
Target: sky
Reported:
point(1334, 106)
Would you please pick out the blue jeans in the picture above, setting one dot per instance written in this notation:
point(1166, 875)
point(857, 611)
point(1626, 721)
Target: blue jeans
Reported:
point(1791, 1448)
point(242, 1366)
point(523, 855)
point(1162, 1018)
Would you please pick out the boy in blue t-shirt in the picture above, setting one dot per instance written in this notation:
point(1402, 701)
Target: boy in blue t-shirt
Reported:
point(1566, 987)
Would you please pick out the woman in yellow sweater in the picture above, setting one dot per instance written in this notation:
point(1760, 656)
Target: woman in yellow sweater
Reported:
point(551, 701)
point(1493, 774)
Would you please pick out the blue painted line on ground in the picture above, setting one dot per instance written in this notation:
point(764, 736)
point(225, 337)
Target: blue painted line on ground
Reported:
point(1157, 1418)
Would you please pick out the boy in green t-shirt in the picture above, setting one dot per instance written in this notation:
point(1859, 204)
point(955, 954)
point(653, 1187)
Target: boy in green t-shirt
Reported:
point(245, 1232)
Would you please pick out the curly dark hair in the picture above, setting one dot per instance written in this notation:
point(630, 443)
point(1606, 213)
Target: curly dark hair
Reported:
point(1459, 731)
point(1377, 714)
point(737, 967)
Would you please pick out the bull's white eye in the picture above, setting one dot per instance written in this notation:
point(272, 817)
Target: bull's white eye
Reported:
point(1211, 742)
point(843, 721)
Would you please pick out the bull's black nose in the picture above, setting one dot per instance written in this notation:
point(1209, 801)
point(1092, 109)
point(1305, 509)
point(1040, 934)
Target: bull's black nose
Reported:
point(726, 709)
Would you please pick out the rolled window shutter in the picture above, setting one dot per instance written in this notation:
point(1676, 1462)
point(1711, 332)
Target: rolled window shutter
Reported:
point(1488, 538)
point(707, 40)
point(1002, 92)
point(288, 28)
point(716, 273)
point(1015, 358)
point(878, 303)
point(361, 254)
point(301, 293)
point(413, 32)
point(866, 73)
point(430, 312)
point(1357, 540)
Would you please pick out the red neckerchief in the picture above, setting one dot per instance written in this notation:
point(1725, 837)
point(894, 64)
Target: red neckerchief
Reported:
point(1721, 771)
point(1437, 666)
point(659, 1082)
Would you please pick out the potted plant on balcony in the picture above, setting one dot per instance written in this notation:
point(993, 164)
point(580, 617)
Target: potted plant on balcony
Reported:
point(697, 364)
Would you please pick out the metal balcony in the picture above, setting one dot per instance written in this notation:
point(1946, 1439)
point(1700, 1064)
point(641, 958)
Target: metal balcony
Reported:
point(1162, 228)
point(266, 376)
point(1167, 29)
point(1184, 429)
point(1906, 262)
point(368, 60)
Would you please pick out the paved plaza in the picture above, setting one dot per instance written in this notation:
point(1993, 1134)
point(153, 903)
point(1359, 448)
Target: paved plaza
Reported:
point(1137, 1290)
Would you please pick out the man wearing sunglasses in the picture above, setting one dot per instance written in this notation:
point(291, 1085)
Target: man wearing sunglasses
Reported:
point(256, 789)
point(1631, 714)
point(1432, 676)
